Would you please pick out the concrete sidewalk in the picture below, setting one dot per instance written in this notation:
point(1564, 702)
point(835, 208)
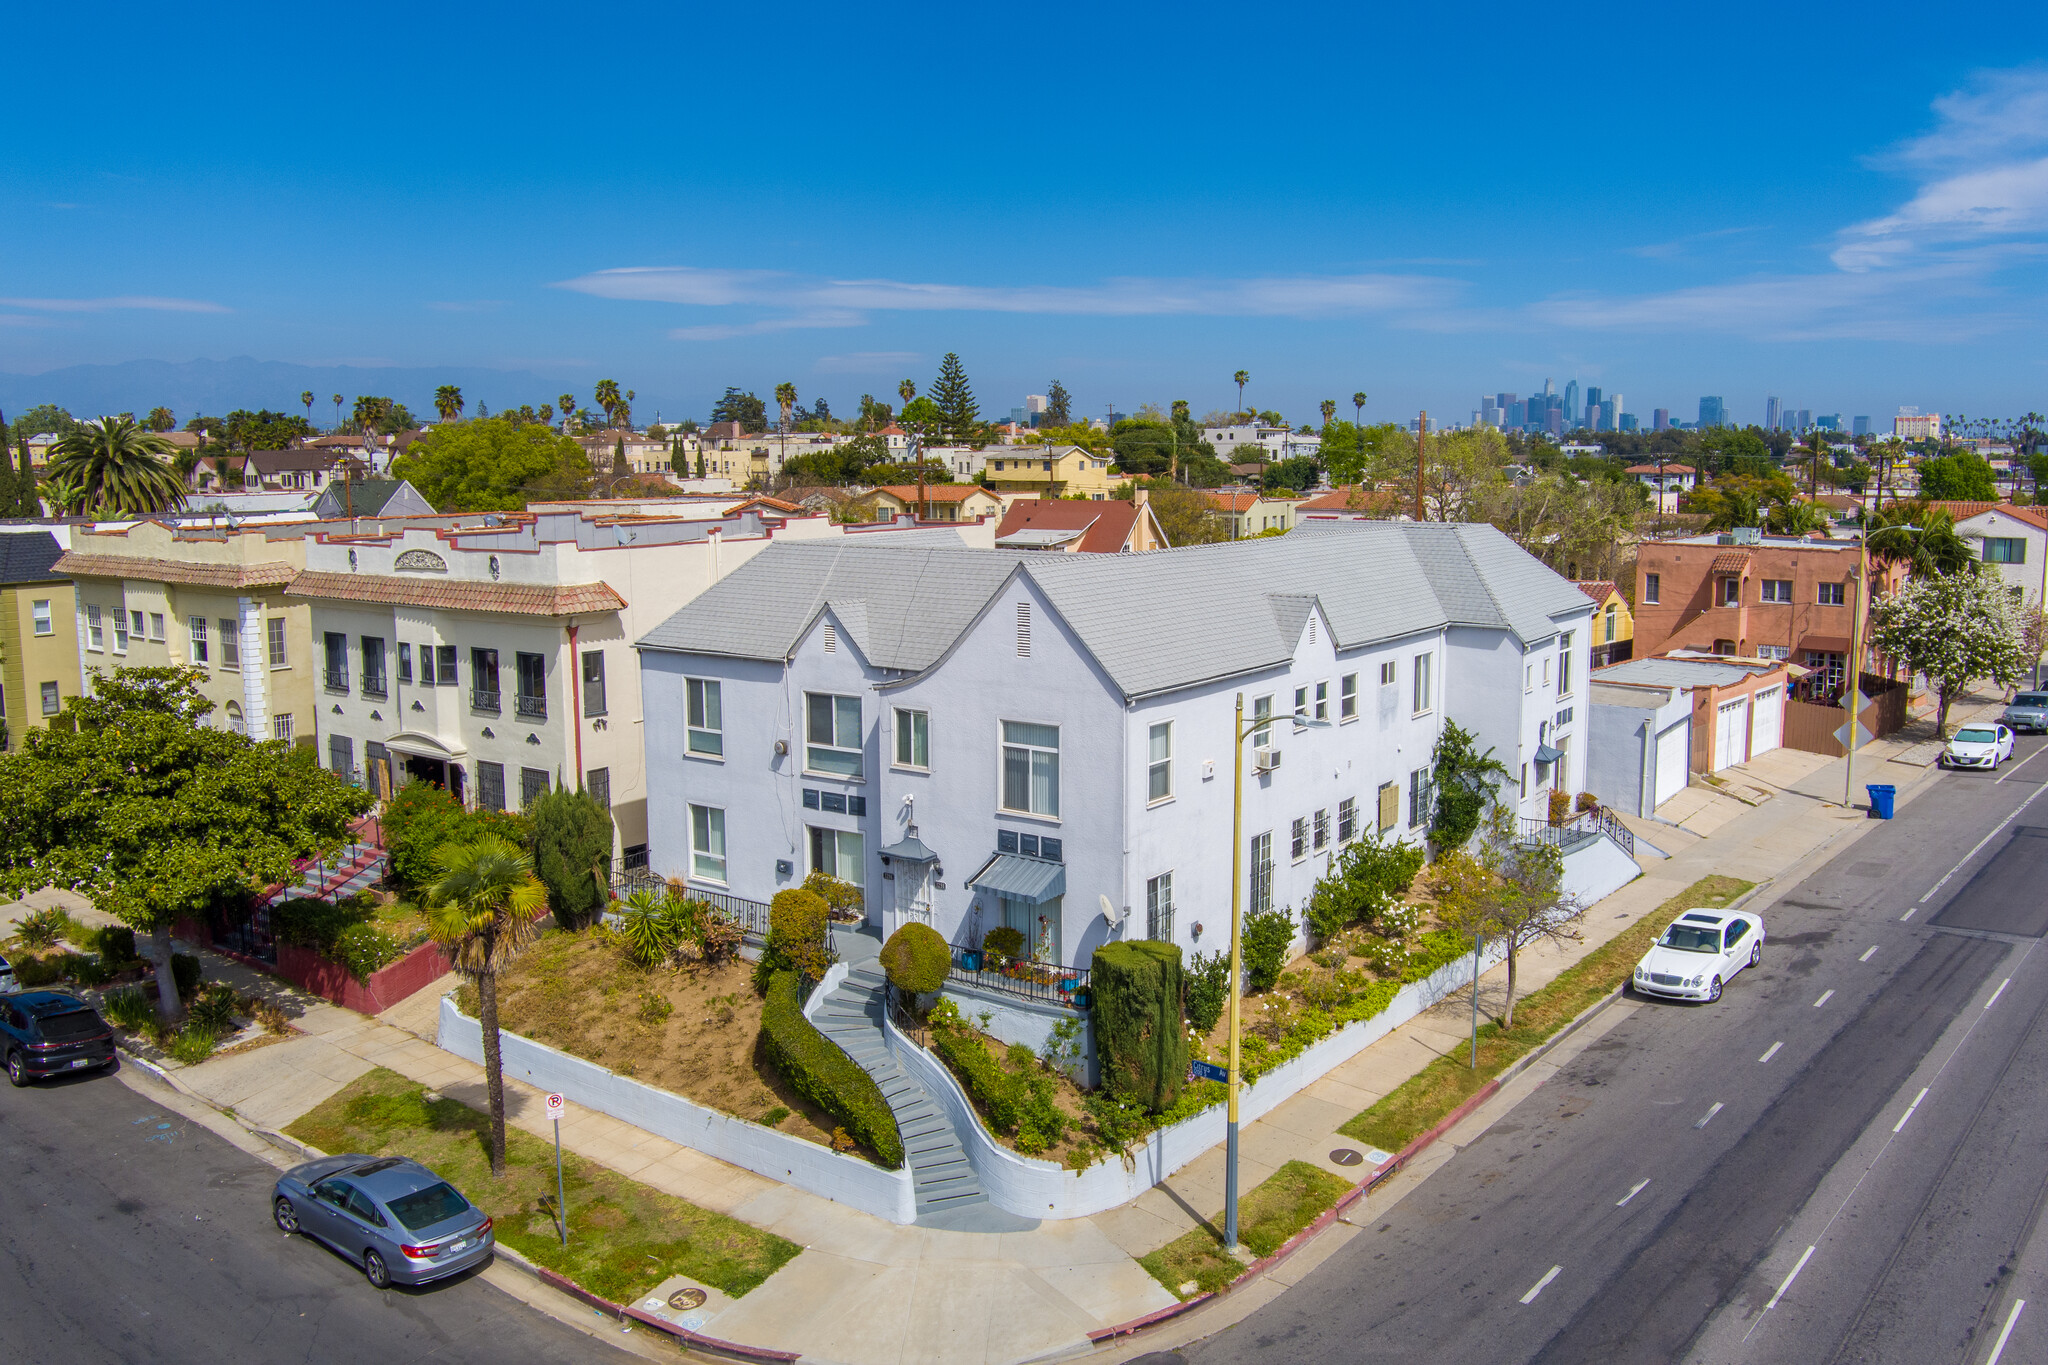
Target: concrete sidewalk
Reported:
point(866, 1290)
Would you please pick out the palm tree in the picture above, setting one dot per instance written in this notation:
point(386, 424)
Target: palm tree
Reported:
point(567, 403)
point(1241, 378)
point(906, 391)
point(1921, 537)
point(785, 399)
point(484, 907)
point(448, 402)
point(112, 466)
point(608, 398)
point(1329, 406)
point(1358, 408)
point(337, 412)
point(306, 397)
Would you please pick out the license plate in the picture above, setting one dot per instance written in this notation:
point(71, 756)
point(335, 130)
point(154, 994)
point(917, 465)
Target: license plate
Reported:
point(454, 1246)
point(81, 1061)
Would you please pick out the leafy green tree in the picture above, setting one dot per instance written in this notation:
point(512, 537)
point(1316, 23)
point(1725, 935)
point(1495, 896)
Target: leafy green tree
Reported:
point(1920, 537)
point(1465, 783)
point(1144, 445)
point(1962, 477)
point(264, 430)
point(448, 402)
point(1506, 889)
point(1296, 474)
point(955, 398)
point(44, 419)
point(491, 464)
point(112, 466)
point(843, 463)
point(1955, 628)
point(156, 816)
point(485, 903)
point(924, 416)
point(572, 851)
point(1059, 406)
point(750, 412)
point(1185, 515)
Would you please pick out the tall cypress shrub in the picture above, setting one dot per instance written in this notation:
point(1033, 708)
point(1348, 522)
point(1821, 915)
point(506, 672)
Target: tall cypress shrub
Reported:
point(25, 500)
point(572, 854)
point(1140, 1035)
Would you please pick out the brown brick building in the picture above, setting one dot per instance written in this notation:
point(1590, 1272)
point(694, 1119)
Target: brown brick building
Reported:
point(1767, 597)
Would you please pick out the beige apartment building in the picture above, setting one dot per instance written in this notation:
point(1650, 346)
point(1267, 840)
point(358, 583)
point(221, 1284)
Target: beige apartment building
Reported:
point(38, 637)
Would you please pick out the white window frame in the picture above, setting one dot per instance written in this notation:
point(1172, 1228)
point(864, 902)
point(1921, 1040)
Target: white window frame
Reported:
point(95, 631)
point(1652, 585)
point(1323, 700)
point(1262, 714)
point(913, 739)
point(1297, 838)
point(1423, 689)
point(197, 639)
point(1347, 699)
point(1033, 753)
point(839, 709)
point(707, 844)
point(1347, 820)
point(45, 622)
point(1300, 712)
point(1159, 763)
point(278, 639)
point(704, 718)
point(1159, 908)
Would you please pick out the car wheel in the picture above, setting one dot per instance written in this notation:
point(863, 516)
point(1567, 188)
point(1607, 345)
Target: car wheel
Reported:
point(1756, 953)
point(287, 1217)
point(1714, 991)
point(17, 1070)
point(375, 1271)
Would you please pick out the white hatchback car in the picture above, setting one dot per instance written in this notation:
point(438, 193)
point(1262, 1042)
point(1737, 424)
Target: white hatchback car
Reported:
point(1978, 746)
point(1700, 953)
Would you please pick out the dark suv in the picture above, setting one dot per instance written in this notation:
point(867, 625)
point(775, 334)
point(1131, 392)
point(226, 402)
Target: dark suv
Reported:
point(46, 1032)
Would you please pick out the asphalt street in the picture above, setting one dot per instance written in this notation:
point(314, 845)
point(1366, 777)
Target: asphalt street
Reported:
point(1842, 1160)
point(132, 1234)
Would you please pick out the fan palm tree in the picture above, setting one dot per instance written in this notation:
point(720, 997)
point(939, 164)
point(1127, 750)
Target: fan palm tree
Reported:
point(112, 466)
point(448, 402)
point(1241, 378)
point(906, 391)
point(306, 397)
point(608, 398)
point(337, 412)
point(1358, 407)
point(484, 907)
point(1329, 406)
point(567, 403)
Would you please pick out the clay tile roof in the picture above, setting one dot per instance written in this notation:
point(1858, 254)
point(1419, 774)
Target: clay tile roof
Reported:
point(1233, 502)
point(1732, 561)
point(517, 599)
point(1668, 469)
point(762, 500)
point(1599, 589)
point(936, 492)
point(1106, 525)
point(266, 574)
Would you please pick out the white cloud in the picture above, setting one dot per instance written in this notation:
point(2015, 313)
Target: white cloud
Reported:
point(814, 302)
point(123, 301)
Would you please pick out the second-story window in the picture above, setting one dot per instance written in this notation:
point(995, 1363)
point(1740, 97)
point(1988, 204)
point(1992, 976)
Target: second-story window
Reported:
point(46, 623)
point(95, 633)
point(913, 739)
point(1031, 768)
point(120, 632)
point(373, 666)
point(706, 717)
point(1159, 776)
point(404, 662)
point(483, 679)
point(337, 660)
point(278, 657)
point(1262, 713)
point(1323, 700)
point(1831, 594)
point(1424, 698)
point(1262, 873)
point(593, 682)
point(230, 643)
point(832, 734)
point(1347, 697)
point(199, 652)
point(533, 685)
point(1564, 665)
point(1651, 583)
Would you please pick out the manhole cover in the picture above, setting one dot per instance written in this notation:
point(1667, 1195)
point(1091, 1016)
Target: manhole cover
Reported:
point(1347, 1156)
point(686, 1299)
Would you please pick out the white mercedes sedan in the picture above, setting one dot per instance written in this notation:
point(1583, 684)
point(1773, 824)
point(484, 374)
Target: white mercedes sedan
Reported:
point(1700, 953)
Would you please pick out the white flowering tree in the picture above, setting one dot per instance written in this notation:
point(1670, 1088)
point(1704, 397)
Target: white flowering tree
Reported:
point(1955, 628)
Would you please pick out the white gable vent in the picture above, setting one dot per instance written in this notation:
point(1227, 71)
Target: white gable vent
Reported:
point(1023, 630)
point(831, 639)
point(1311, 630)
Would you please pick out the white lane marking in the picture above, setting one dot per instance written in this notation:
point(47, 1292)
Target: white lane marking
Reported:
point(1995, 994)
point(1550, 1275)
point(1771, 1051)
point(2006, 1335)
point(1909, 1109)
point(1824, 997)
point(1634, 1190)
point(2021, 764)
point(1708, 1117)
point(1980, 844)
point(1867, 953)
point(1788, 1280)
point(1908, 915)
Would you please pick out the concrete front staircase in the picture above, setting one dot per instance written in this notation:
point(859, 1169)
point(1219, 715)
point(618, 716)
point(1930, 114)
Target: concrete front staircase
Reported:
point(851, 1016)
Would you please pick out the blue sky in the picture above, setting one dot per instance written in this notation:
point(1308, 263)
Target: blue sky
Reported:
point(1844, 208)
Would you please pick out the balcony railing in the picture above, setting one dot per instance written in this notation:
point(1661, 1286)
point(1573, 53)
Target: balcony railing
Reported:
point(751, 916)
point(1585, 825)
point(337, 682)
point(1029, 980)
point(373, 687)
point(484, 699)
point(534, 707)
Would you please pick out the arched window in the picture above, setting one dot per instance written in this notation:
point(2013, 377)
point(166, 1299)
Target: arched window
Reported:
point(234, 719)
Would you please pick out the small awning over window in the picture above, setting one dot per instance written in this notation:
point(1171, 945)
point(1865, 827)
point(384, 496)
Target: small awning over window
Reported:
point(910, 849)
point(1020, 878)
point(1546, 754)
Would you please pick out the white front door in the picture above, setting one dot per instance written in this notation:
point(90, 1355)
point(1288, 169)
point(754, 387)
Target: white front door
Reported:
point(1731, 728)
point(1767, 721)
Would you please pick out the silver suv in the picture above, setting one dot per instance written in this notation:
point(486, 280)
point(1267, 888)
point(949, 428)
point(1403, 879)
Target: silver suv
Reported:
point(2027, 711)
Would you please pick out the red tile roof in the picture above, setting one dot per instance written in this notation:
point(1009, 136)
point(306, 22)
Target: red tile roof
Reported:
point(1108, 524)
point(1233, 502)
point(519, 599)
point(265, 574)
point(1731, 561)
point(1599, 589)
point(935, 492)
point(1342, 500)
point(1668, 469)
point(762, 500)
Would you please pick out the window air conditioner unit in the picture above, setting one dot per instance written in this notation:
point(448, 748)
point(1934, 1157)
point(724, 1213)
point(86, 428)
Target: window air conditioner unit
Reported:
point(1265, 760)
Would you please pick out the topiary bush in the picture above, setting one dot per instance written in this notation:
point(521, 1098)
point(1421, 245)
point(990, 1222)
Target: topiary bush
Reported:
point(917, 958)
point(1267, 936)
point(1139, 996)
point(572, 854)
point(1208, 990)
point(115, 943)
point(796, 937)
point(815, 1068)
point(1003, 942)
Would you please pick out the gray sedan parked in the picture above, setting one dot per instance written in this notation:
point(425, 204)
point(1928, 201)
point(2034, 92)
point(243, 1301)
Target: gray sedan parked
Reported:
point(395, 1218)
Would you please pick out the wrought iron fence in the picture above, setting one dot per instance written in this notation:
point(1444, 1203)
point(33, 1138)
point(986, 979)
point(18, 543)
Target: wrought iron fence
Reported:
point(750, 915)
point(1588, 824)
point(531, 706)
point(1028, 980)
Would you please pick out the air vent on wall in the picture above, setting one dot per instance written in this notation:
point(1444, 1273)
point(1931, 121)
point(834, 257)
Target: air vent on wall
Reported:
point(1023, 630)
point(831, 639)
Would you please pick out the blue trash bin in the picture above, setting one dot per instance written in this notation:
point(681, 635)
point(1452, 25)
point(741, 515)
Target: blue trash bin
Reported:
point(1881, 796)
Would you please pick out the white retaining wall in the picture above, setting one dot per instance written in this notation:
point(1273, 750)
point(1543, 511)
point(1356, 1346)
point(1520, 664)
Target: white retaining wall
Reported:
point(1014, 1020)
point(1041, 1189)
point(834, 978)
point(1596, 870)
point(816, 1170)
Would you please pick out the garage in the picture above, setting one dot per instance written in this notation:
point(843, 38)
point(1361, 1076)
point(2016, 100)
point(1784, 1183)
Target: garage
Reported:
point(1674, 760)
point(1767, 720)
point(1731, 733)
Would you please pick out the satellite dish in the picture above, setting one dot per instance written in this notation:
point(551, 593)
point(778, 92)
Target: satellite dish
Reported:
point(1110, 914)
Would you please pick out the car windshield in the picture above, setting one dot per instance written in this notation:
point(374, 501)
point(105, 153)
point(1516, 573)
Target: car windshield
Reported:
point(424, 1208)
point(2031, 699)
point(1975, 734)
point(71, 1026)
point(1687, 939)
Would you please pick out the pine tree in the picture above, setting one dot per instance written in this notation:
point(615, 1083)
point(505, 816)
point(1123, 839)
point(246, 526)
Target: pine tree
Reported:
point(956, 400)
point(1059, 406)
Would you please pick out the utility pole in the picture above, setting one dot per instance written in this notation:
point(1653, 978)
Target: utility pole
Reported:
point(1421, 437)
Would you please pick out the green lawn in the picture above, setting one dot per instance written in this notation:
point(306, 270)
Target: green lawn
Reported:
point(624, 1238)
point(1418, 1103)
point(1283, 1205)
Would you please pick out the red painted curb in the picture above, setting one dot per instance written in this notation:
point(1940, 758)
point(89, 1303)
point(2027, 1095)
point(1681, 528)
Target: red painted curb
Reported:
point(1124, 1329)
point(683, 1334)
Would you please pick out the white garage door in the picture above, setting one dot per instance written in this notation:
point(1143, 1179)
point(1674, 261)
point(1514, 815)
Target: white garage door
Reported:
point(1674, 761)
point(1731, 728)
point(1767, 721)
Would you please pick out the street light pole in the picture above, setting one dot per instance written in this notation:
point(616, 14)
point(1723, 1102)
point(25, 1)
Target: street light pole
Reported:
point(1853, 698)
point(1236, 968)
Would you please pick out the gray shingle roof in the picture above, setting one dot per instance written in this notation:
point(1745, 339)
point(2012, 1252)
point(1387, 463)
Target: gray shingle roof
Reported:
point(29, 557)
point(1156, 621)
point(1679, 672)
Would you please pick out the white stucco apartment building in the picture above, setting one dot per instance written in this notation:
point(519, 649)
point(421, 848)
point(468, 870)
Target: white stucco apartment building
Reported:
point(1045, 741)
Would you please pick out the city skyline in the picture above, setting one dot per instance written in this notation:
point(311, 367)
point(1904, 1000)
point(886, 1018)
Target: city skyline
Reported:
point(1882, 251)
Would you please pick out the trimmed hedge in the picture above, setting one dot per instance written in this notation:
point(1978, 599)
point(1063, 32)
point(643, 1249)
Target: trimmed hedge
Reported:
point(1140, 993)
point(796, 937)
point(815, 1068)
point(917, 959)
point(1018, 1098)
